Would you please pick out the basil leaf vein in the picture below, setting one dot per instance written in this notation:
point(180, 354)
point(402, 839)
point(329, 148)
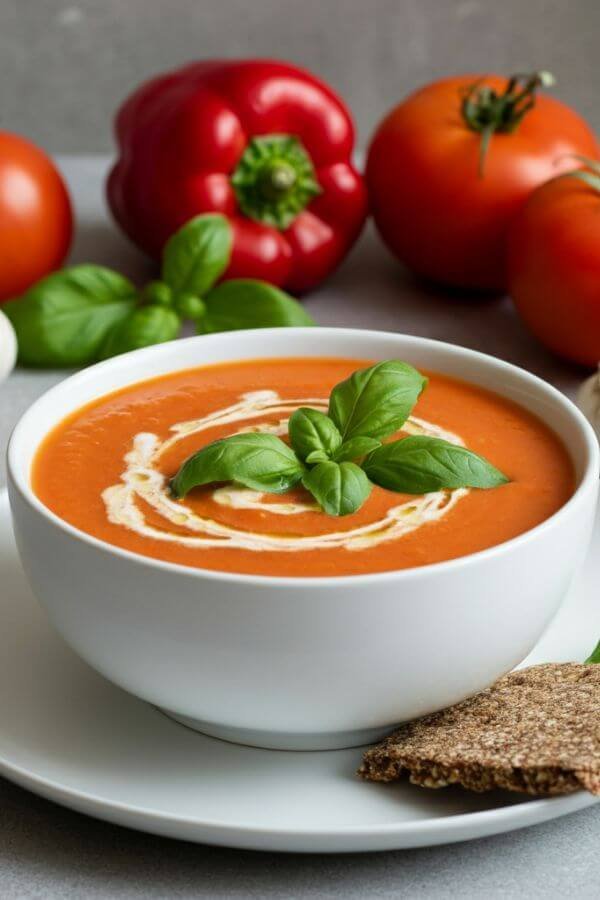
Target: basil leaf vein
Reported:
point(419, 465)
point(339, 488)
point(312, 432)
point(261, 462)
point(198, 254)
point(375, 402)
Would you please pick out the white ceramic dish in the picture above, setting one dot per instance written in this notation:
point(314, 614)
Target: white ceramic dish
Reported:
point(8, 346)
point(71, 736)
point(289, 662)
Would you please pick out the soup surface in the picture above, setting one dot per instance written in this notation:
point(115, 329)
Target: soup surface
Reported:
point(105, 469)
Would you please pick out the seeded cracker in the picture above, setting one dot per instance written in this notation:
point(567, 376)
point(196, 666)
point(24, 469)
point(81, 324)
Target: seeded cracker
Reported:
point(536, 731)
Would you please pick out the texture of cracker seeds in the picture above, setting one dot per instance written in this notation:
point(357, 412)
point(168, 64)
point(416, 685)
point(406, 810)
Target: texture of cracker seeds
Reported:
point(536, 730)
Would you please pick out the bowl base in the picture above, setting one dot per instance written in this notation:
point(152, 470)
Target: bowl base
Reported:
point(282, 740)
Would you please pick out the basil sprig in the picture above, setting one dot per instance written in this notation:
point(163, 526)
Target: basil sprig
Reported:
point(339, 456)
point(85, 313)
point(244, 303)
point(64, 319)
point(197, 255)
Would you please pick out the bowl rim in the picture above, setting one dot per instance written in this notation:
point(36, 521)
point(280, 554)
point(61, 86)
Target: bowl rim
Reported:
point(20, 481)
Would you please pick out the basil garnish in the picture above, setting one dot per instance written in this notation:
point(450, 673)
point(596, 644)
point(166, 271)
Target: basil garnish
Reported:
point(313, 435)
point(377, 401)
point(258, 461)
point(356, 447)
point(327, 450)
point(339, 488)
point(418, 465)
point(86, 313)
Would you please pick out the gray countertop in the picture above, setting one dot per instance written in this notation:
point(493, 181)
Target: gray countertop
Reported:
point(47, 851)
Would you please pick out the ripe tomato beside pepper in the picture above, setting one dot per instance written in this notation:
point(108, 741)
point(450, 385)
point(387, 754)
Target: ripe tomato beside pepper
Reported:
point(35, 215)
point(554, 265)
point(264, 143)
point(450, 166)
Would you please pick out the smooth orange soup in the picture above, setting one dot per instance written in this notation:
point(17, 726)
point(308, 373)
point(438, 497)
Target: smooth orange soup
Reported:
point(144, 432)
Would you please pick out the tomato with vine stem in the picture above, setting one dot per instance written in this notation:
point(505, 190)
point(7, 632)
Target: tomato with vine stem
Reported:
point(554, 264)
point(451, 165)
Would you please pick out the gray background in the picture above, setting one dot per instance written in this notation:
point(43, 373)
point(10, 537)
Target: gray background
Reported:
point(66, 64)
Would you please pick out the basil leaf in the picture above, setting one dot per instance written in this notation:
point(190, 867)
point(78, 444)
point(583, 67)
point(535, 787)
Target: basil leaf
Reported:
point(339, 488)
point(258, 461)
point(145, 326)
point(418, 465)
point(355, 448)
point(245, 303)
point(316, 456)
point(196, 255)
point(375, 402)
point(595, 656)
point(311, 431)
point(64, 319)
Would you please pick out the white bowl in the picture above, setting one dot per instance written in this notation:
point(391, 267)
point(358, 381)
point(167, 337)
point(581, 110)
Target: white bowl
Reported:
point(297, 663)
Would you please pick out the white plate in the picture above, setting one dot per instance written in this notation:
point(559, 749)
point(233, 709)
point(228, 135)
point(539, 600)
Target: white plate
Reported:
point(69, 735)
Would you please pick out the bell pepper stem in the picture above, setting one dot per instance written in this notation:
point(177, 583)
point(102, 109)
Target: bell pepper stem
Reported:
point(275, 180)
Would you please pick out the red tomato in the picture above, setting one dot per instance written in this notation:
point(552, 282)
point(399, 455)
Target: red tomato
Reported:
point(35, 215)
point(554, 267)
point(436, 211)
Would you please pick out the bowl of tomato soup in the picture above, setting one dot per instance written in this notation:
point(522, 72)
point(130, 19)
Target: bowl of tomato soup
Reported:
point(257, 617)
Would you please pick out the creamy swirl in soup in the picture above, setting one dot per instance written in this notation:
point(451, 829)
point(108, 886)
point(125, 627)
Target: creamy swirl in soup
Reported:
point(106, 470)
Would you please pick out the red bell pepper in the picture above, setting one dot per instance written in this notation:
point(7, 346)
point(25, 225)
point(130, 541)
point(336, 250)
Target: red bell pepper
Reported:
point(265, 143)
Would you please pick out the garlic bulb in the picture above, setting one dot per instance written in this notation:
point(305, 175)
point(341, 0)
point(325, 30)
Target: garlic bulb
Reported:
point(588, 400)
point(8, 346)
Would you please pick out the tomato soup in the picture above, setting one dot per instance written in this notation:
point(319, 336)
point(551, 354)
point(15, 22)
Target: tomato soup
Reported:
point(106, 470)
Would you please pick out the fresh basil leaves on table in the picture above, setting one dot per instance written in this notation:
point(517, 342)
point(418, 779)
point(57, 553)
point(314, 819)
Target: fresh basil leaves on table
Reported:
point(85, 313)
point(65, 318)
point(595, 655)
point(243, 303)
point(339, 456)
point(197, 255)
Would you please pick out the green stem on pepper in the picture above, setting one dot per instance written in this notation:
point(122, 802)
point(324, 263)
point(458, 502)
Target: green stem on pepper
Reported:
point(275, 180)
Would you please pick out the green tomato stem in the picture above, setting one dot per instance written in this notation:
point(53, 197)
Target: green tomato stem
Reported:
point(489, 112)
